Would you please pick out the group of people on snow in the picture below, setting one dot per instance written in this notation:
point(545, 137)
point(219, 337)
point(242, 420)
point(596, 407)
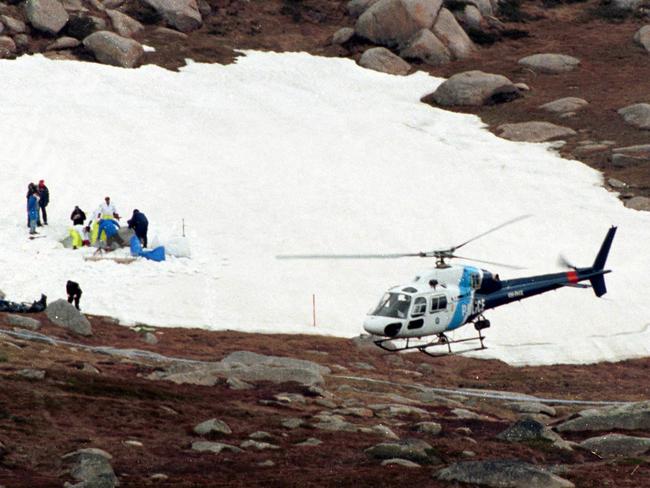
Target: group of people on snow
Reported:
point(38, 197)
point(103, 224)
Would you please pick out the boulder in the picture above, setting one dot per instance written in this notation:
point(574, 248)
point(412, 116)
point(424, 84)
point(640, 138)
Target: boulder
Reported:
point(182, 15)
point(534, 131)
point(562, 105)
point(393, 22)
point(357, 7)
point(92, 467)
point(113, 49)
point(48, 16)
point(14, 26)
point(472, 18)
point(474, 88)
point(550, 63)
point(499, 474)
point(247, 358)
point(638, 203)
point(426, 47)
point(637, 115)
point(642, 37)
point(447, 29)
point(631, 416)
point(63, 43)
point(617, 445)
point(123, 24)
point(24, 322)
point(65, 315)
point(342, 35)
point(414, 450)
point(212, 426)
point(7, 47)
point(381, 59)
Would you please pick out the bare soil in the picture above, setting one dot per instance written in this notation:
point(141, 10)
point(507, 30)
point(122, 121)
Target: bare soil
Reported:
point(40, 420)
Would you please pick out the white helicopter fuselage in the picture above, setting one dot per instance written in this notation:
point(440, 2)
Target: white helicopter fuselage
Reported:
point(436, 301)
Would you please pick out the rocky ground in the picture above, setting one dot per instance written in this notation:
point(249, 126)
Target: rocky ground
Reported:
point(285, 410)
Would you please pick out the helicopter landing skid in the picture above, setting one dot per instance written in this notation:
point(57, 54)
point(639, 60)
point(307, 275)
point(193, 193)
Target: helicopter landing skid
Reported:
point(442, 340)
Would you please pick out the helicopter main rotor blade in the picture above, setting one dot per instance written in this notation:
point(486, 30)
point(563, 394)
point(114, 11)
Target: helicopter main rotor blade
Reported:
point(349, 256)
point(516, 219)
point(511, 266)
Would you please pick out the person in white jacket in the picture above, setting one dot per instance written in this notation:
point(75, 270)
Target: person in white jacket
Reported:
point(107, 210)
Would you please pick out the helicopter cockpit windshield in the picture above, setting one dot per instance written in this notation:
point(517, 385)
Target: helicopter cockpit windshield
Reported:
point(393, 305)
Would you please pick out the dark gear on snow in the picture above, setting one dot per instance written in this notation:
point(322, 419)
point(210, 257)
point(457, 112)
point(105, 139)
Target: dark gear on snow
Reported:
point(74, 293)
point(14, 307)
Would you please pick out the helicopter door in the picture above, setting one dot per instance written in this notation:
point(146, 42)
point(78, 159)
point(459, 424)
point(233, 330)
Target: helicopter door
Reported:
point(439, 311)
point(418, 312)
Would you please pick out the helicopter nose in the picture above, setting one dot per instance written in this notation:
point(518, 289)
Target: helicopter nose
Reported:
point(382, 326)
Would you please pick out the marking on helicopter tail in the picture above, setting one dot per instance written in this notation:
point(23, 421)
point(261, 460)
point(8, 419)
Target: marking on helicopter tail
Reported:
point(572, 276)
point(463, 307)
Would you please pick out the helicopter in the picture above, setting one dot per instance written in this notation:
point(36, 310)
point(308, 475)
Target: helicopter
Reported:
point(417, 315)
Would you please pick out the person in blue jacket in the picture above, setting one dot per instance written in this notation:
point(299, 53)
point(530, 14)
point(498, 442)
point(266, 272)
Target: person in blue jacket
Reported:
point(139, 223)
point(32, 212)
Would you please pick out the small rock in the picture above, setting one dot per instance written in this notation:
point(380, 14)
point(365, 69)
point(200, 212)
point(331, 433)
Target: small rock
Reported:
point(260, 446)
point(617, 445)
point(364, 366)
point(24, 322)
point(213, 447)
point(260, 435)
point(159, 477)
point(132, 443)
point(642, 37)
point(414, 450)
point(63, 43)
point(32, 374)
point(150, 338)
point(502, 474)
point(65, 315)
point(293, 423)
point(48, 16)
point(534, 131)
point(431, 428)
point(426, 47)
point(561, 105)
point(618, 184)
point(637, 115)
point(638, 203)
point(532, 407)
point(7, 47)
point(381, 59)
point(13, 25)
point(113, 49)
point(400, 462)
point(310, 442)
point(237, 384)
point(342, 35)
point(473, 88)
point(550, 63)
point(266, 464)
point(212, 426)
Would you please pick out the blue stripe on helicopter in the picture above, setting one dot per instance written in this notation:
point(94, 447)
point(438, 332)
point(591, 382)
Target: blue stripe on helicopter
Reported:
point(463, 306)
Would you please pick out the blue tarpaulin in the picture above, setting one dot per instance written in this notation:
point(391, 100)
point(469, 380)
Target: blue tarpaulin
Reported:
point(157, 254)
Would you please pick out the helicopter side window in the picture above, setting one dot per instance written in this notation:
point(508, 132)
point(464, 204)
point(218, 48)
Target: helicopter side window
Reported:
point(475, 281)
point(394, 305)
point(419, 307)
point(438, 303)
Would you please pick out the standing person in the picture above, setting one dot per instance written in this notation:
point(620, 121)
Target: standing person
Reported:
point(108, 209)
point(32, 212)
point(31, 188)
point(140, 225)
point(74, 293)
point(44, 200)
